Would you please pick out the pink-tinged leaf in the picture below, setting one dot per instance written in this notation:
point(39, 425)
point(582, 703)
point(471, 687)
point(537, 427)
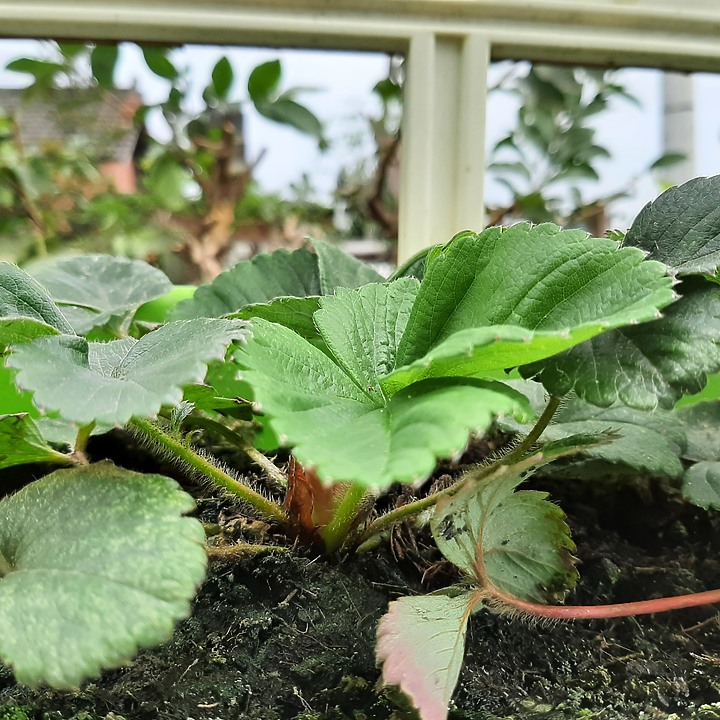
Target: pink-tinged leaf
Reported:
point(421, 643)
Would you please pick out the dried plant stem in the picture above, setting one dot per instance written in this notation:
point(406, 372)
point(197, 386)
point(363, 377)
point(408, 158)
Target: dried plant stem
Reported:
point(274, 473)
point(242, 550)
point(207, 469)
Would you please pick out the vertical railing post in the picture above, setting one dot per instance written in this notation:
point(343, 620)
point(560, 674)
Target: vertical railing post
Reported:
point(443, 139)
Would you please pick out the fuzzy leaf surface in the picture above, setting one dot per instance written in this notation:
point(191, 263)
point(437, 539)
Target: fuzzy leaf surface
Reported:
point(533, 277)
point(94, 289)
point(516, 540)
point(346, 431)
point(362, 329)
point(100, 563)
point(701, 484)
point(681, 228)
point(421, 644)
point(114, 381)
point(26, 309)
point(486, 351)
point(21, 442)
point(643, 366)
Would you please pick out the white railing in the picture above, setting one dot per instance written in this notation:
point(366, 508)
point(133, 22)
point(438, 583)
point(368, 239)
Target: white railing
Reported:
point(449, 44)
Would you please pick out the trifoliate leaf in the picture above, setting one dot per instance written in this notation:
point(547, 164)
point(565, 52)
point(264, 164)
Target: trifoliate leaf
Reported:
point(95, 289)
point(701, 484)
point(681, 228)
point(26, 309)
point(114, 381)
point(347, 431)
point(533, 277)
point(21, 442)
point(421, 643)
point(297, 274)
point(517, 541)
point(644, 366)
point(95, 563)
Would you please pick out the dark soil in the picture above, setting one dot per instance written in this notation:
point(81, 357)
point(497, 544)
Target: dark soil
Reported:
point(291, 637)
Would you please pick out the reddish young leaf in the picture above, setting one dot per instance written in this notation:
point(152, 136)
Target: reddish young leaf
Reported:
point(421, 643)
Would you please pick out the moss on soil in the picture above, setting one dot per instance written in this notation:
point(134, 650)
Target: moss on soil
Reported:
point(291, 637)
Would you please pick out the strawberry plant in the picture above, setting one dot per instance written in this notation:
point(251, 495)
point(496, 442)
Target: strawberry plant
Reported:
point(369, 382)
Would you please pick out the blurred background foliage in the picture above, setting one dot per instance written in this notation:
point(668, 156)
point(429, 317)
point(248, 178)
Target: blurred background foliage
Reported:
point(79, 171)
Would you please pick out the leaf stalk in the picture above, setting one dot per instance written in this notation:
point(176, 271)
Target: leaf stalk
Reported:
point(417, 506)
point(600, 612)
point(535, 432)
point(336, 532)
point(207, 469)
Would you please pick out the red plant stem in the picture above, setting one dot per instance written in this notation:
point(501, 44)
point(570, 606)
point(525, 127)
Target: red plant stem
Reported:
point(591, 612)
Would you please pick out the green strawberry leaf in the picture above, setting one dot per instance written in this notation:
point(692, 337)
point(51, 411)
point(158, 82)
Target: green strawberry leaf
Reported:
point(94, 290)
point(539, 278)
point(701, 423)
point(279, 274)
point(115, 381)
point(486, 351)
point(516, 541)
point(21, 442)
point(421, 644)
point(95, 563)
point(313, 404)
point(260, 280)
point(295, 313)
point(681, 228)
point(26, 309)
point(644, 366)
point(362, 329)
point(338, 269)
point(701, 484)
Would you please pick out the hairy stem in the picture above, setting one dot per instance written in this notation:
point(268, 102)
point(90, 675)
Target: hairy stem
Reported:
point(337, 530)
point(213, 473)
point(275, 478)
point(534, 435)
point(418, 506)
point(405, 511)
point(593, 612)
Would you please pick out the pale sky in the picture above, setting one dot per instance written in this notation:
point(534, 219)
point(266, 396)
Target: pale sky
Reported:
point(343, 100)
